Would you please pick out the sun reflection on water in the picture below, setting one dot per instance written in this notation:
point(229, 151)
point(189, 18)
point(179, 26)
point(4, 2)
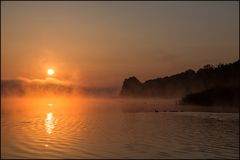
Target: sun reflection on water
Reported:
point(50, 122)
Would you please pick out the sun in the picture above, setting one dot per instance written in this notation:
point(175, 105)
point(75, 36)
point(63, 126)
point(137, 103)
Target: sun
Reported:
point(50, 72)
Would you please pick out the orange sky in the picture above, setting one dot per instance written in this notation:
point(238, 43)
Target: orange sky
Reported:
point(101, 43)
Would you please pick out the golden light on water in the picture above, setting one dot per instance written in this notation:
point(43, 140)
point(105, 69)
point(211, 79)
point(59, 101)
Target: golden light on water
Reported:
point(50, 72)
point(50, 122)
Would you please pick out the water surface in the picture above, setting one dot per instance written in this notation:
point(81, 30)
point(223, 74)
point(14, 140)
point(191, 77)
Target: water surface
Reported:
point(95, 128)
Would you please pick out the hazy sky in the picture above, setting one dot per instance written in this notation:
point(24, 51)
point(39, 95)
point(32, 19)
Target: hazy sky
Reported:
point(101, 43)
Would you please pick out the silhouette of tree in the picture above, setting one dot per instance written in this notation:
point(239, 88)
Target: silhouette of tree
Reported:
point(185, 82)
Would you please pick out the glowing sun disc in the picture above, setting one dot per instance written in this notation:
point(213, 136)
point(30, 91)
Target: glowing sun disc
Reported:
point(50, 72)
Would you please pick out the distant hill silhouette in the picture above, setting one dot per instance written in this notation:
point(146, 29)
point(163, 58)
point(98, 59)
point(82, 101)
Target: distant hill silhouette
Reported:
point(184, 83)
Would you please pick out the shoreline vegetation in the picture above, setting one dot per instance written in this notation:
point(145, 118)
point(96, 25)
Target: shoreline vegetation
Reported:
point(210, 86)
point(181, 84)
point(225, 96)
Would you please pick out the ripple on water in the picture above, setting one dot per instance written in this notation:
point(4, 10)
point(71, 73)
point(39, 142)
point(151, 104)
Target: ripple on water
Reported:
point(136, 135)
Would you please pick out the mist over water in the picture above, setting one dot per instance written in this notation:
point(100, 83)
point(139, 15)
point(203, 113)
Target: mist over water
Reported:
point(120, 80)
point(80, 127)
point(51, 87)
